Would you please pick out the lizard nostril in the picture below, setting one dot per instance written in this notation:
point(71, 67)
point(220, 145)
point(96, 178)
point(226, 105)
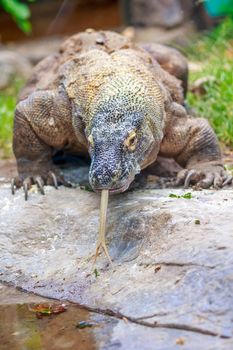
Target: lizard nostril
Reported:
point(104, 176)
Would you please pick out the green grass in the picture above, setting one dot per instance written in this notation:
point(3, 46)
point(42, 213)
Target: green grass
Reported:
point(214, 51)
point(8, 99)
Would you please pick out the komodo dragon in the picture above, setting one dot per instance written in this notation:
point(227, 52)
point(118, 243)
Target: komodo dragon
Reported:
point(121, 103)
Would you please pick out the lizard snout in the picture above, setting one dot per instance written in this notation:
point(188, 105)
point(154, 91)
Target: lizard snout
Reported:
point(104, 176)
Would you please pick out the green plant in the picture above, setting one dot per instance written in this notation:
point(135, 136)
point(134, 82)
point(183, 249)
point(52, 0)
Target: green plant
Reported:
point(7, 106)
point(187, 195)
point(96, 273)
point(20, 12)
point(214, 54)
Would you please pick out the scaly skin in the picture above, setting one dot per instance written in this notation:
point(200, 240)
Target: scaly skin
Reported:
point(122, 104)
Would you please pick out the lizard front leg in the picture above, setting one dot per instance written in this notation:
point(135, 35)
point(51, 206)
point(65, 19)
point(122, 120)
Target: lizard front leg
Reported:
point(37, 130)
point(193, 144)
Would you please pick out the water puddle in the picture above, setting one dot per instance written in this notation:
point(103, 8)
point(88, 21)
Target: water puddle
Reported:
point(23, 328)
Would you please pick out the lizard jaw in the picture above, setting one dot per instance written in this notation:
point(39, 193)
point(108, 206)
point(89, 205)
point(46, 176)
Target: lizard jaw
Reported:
point(117, 190)
point(121, 189)
point(114, 190)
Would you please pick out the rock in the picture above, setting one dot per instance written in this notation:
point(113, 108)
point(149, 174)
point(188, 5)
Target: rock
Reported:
point(13, 65)
point(37, 49)
point(9, 295)
point(47, 244)
point(199, 85)
point(180, 35)
point(164, 13)
point(129, 33)
point(195, 67)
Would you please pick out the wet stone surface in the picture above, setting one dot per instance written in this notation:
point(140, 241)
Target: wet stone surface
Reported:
point(171, 281)
point(21, 328)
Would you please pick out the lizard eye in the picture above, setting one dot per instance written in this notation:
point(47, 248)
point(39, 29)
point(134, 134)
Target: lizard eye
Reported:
point(90, 140)
point(131, 141)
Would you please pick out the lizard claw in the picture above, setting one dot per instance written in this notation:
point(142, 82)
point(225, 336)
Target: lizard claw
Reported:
point(181, 177)
point(27, 182)
point(192, 175)
point(203, 176)
point(17, 182)
point(227, 180)
point(40, 183)
point(206, 182)
point(26, 186)
point(54, 179)
point(13, 186)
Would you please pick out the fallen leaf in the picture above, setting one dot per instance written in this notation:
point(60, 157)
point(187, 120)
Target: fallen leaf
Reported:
point(48, 309)
point(180, 341)
point(157, 268)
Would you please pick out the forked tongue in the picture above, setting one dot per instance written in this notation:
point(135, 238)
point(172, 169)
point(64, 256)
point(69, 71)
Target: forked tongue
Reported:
point(102, 226)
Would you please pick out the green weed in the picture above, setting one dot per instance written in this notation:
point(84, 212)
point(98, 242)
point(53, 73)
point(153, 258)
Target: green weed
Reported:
point(214, 52)
point(7, 105)
point(187, 195)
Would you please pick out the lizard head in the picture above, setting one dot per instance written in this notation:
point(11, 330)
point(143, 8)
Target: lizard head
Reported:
point(122, 134)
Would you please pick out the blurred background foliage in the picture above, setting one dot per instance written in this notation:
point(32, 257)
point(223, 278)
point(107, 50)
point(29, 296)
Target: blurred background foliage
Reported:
point(8, 99)
point(20, 12)
point(214, 53)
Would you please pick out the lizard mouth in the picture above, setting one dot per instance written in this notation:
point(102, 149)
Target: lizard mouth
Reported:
point(117, 189)
point(120, 189)
point(114, 190)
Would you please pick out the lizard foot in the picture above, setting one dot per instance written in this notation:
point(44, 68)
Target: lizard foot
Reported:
point(204, 175)
point(51, 179)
